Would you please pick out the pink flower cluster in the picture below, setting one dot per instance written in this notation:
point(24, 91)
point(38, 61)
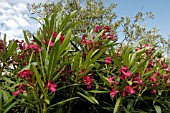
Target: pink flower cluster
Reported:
point(21, 88)
point(51, 86)
point(24, 74)
point(125, 73)
point(88, 81)
point(61, 37)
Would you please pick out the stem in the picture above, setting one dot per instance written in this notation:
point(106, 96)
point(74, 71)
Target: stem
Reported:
point(69, 110)
point(44, 103)
point(1, 109)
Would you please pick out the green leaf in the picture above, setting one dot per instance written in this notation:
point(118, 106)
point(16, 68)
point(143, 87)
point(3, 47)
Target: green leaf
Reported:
point(97, 91)
point(158, 109)
point(6, 96)
point(116, 60)
point(86, 71)
point(47, 101)
point(66, 20)
point(37, 41)
point(126, 111)
point(12, 46)
point(84, 64)
point(10, 106)
point(98, 55)
point(65, 43)
point(89, 97)
point(117, 105)
point(53, 59)
point(26, 38)
point(72, 25)
point(62, 102)
point(4, 43)
point(105, 80)
point(38, 78)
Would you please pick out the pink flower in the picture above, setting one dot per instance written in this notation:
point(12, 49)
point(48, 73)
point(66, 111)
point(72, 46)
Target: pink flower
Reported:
point(84, 36)
point(113, 93)
point(164, 65)
point(88, 81)
point(152, 78)
point(137, 80)
point(35, 47)
point(24, 74)
point(164, 75)
point(54, 34)
point(82, 71)
point(50, 43)
point(20, 90)
point(111, 36)
point(97, 28)
point(110, 79)
point(51, 86)
point(125, 73)
point(103, 36)
point(107, 28)
point(168, 70)
point(61, 38)
point(129, 89)
point(107, 60)
point(124, 68)
point(89, 42)
point(168, 81)
point(153, 91)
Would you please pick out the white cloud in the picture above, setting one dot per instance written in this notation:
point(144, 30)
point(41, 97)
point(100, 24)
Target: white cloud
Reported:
point(20, 7)
point(11, 23)
point(21, 20)
point(3, 4)
point(14, 18)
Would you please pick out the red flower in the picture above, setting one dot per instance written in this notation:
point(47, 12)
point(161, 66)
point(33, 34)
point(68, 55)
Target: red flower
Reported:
point(110, 79)
point(54, 34)
point(164, 65)
point(20, 90)
point(129, 89)
point(153, 78)
point(125, 73)
point(107, 60)
point(153, 91)
point(35, 47)
point(61, 38)
point(107, 28)
point(113, 93)
point(24, 74)
point(82, 71)
point(88, 81)
point(124, 68)
point(111, 36)
point(168, 70)
point(84, 37)
point(89, 42)
point(103, 36)
point(51, 86)
point(50, 43)
point(97, 28)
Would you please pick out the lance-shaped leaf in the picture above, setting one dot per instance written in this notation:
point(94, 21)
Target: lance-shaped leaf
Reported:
point(38, 77)
point(65, 43)
point(89, 97)
point(53, 58)
point(12, 46)
point(117, 105)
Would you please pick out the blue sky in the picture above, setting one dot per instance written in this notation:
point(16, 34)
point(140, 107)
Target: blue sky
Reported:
point(14, 16)
point(160, 9)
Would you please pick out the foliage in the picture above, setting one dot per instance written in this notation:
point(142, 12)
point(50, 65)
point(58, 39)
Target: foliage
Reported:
point(65, 70)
